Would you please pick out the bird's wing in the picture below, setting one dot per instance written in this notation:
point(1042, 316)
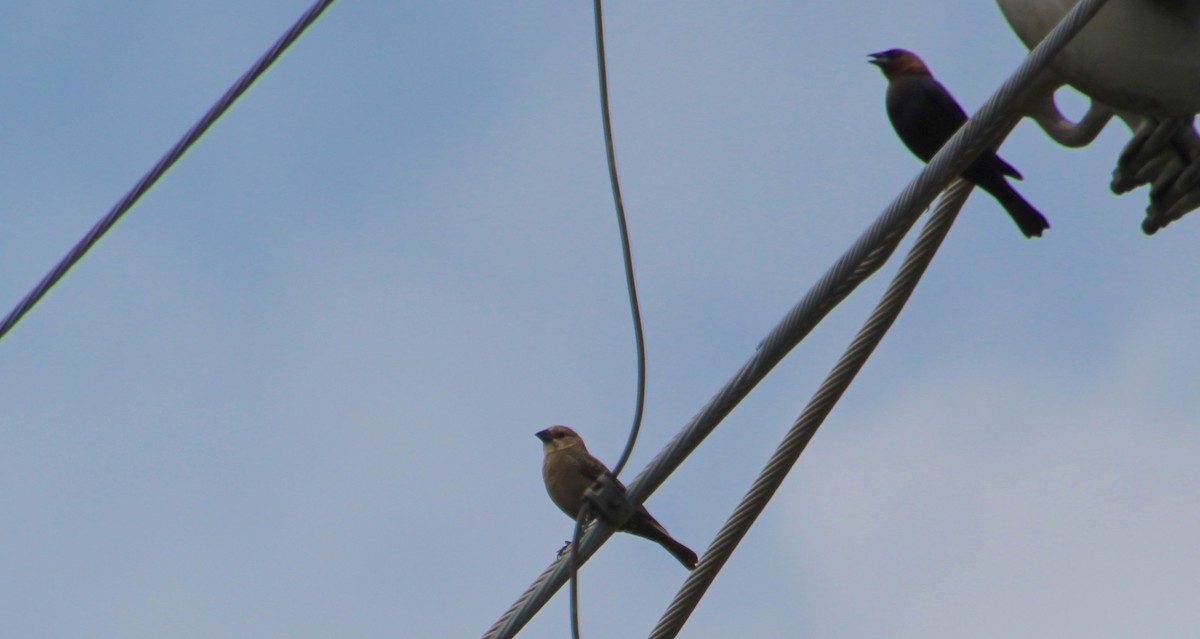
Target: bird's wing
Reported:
point(923, 113)
point(940, 101)
point(593, 469)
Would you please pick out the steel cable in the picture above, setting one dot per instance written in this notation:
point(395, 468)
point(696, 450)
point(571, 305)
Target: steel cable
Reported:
point(143, 185)
point(823, 401)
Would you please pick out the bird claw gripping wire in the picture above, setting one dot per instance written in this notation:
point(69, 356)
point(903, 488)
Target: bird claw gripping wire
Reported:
point(607, 497)
point(607, 500)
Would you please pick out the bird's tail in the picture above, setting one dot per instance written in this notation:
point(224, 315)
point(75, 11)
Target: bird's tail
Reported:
point(644, 525)
point(1029, 219)
point(680, 552)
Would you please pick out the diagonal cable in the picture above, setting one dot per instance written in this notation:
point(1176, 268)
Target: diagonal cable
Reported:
point(814, 414)
point(198, 129)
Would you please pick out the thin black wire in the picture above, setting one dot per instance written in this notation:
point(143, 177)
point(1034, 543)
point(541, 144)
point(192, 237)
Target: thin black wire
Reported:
point(164, 164)
point(580, 519)
point(626, 251)
point(634, 308)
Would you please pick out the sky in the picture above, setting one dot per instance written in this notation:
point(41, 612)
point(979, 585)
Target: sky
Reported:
point(294, 391)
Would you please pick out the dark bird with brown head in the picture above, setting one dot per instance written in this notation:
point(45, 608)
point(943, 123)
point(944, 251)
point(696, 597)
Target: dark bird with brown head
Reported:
point(925, 115)
point(569, 470)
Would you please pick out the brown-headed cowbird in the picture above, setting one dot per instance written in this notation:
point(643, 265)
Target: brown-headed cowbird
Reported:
point(569, 470)
point(925, 115)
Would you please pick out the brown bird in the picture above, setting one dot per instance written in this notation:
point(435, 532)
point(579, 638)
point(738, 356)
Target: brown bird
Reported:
point(569, 470)
point(925, 115)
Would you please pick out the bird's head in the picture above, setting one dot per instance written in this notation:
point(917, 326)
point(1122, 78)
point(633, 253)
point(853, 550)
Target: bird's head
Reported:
point(558, 438)
point(898, 62)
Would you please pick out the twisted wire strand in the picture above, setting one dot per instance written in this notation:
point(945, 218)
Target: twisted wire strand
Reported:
point(148, 180)
point(819, 407)
point(863, 258)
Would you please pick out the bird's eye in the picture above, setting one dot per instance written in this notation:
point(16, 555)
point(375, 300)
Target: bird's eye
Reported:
point(558, 435)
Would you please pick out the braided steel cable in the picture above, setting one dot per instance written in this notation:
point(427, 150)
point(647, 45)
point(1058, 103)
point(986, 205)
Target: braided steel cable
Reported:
point(148, 180)
point(814, 414)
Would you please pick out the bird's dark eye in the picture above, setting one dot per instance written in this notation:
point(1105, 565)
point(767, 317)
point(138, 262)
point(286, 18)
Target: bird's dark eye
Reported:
point(558, 435)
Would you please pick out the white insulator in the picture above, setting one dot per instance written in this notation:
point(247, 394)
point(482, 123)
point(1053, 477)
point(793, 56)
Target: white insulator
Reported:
point(1141, 56)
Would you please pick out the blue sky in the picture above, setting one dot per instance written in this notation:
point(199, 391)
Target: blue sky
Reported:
point(294, 391)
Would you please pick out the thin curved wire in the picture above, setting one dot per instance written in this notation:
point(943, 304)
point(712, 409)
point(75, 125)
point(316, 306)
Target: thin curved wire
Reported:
point(148, 180)
point(814, 414)
point(863, 258)
point(626, 251)
point(634, 306)
point(630, 284)
point(580, 519)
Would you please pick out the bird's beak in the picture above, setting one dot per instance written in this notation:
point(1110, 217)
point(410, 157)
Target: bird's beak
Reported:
point(876, 59)
point(543, 435)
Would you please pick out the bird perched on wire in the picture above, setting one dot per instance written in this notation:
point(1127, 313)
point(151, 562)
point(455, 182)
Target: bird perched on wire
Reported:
point(569, 470)
point(925, 115)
